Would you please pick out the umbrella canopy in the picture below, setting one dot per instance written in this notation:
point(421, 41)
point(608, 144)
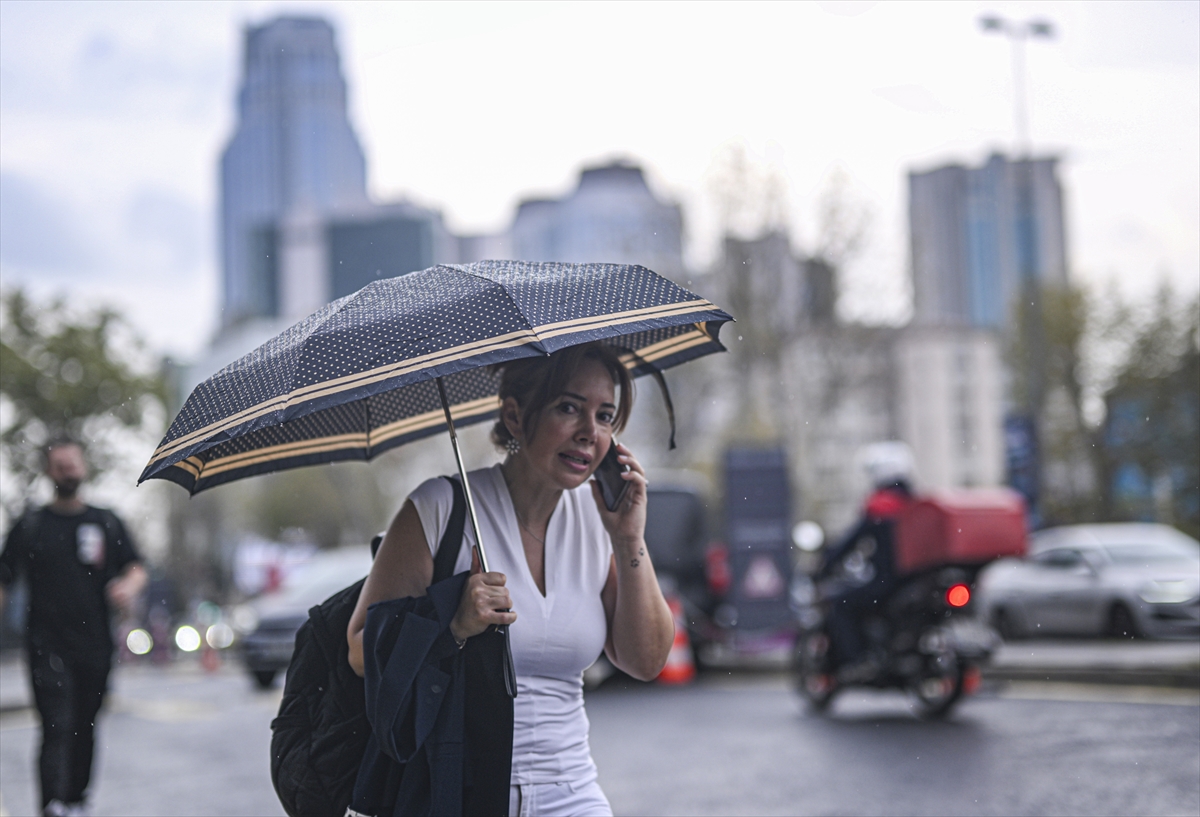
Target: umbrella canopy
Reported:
point(356, 378)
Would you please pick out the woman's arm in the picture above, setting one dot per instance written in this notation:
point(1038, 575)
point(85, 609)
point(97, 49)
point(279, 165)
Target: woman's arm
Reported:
point(404, 568)
point(640, 626)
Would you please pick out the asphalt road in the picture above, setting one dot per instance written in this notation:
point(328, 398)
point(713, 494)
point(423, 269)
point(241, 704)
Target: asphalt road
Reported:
point(179, 742)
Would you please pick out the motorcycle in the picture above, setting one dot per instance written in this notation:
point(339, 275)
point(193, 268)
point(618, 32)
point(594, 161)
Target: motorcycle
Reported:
point(925, 640)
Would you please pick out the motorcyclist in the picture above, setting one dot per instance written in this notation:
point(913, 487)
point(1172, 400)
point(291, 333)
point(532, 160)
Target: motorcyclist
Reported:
point(863, 558)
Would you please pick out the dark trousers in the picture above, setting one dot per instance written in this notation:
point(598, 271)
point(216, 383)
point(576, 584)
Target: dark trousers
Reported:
point(68, 693)
point(844, 620)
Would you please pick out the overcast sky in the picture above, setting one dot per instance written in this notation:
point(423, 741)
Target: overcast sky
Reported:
point(112, 117)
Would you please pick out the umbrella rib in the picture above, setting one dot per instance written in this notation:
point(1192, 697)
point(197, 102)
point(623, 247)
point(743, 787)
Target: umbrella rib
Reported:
point(342, 303)
point(463, 269)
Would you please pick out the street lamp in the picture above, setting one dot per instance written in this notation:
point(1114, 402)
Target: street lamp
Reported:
point(1018, 32)
point(1025, 471)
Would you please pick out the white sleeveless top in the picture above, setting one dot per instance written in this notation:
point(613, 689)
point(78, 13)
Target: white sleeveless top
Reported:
point(555, 637)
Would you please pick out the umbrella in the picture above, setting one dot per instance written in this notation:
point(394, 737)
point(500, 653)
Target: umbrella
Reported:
point(391, 363)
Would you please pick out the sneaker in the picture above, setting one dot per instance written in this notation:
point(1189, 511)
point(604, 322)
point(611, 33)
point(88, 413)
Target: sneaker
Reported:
point(55, 808)
point(79, 809)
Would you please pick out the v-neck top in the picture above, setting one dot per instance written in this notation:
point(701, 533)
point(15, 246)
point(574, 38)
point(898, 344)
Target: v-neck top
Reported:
point(556, 636)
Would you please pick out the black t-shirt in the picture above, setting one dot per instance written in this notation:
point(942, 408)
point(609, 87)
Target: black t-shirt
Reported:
point(67, 560)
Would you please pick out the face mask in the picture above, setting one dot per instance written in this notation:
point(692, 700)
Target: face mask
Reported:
point(67, 488)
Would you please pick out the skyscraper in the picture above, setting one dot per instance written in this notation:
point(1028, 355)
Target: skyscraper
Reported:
point(611, 216)
point(978, 234)
point(293, 161)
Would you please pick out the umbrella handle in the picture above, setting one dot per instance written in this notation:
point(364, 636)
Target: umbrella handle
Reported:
point(510, 672)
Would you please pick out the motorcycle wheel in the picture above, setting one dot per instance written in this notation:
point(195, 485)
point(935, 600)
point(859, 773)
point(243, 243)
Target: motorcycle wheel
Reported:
point(814, 679)
point(937, 693)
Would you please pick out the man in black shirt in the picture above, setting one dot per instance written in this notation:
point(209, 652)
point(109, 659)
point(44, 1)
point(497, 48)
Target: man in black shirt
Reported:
point(80, 563)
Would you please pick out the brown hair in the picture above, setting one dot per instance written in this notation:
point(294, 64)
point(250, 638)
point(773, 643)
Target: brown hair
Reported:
point(535, 382)
point(61, 441)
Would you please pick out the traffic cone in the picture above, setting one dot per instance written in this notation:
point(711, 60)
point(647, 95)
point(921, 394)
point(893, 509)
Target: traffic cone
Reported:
point(210, 659)
point(680, 668)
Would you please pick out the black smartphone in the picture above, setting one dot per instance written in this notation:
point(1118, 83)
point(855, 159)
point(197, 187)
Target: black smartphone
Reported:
point(608, 474)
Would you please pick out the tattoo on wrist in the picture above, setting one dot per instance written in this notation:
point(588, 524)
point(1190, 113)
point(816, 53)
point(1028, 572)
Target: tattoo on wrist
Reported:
point(641, 551)
point(634, 562)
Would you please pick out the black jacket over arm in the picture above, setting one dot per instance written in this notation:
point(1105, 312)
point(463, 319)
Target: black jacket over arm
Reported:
point(441, 719)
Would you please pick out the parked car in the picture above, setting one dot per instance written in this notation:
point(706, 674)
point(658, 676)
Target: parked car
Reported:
point(271, 621)
point(1117, 580)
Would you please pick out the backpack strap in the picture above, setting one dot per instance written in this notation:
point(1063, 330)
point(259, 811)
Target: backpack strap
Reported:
point(452, 539)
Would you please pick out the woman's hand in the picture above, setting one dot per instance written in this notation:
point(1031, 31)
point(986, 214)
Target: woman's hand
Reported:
point(626, 525)
point(484, 602)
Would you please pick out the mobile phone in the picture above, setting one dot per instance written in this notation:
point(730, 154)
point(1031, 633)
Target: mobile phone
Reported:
point(608, 474)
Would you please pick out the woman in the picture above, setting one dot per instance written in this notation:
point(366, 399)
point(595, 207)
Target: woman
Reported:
point(575, 577)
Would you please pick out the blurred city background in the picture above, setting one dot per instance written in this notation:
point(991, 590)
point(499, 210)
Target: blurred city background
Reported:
point(973, 228)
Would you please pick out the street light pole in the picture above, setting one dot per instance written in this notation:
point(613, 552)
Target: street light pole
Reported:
point(1019, 32)
point(1023, 443)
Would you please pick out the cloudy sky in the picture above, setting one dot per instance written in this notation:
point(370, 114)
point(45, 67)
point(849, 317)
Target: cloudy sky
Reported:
point(112, 117)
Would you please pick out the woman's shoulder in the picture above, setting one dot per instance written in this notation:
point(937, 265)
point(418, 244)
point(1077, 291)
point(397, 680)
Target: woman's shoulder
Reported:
point(433, 491)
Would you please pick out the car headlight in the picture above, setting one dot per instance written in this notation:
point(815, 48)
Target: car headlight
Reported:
point(1167, 592)
point(245, 618)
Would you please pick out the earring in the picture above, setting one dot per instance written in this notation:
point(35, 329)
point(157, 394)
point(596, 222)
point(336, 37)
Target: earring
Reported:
point(512, 446)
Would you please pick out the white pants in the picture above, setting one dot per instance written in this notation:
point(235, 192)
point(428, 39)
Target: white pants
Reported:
point(558, 800)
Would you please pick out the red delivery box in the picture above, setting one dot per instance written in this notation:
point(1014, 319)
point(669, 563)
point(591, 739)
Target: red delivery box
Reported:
point(960, 527)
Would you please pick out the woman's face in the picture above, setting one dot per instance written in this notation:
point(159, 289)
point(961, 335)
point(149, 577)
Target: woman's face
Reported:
point(575, 429)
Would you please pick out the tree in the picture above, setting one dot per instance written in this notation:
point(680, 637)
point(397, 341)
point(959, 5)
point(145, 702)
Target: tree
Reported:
point(64, 372)
point(1151, 432)
point(778, 294)
point(1115, 389)
point(1048, 356)
point(330, 504)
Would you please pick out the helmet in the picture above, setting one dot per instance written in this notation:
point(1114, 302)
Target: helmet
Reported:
point(888, 463)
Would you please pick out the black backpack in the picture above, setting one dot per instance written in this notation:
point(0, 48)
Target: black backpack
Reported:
point(321, 732)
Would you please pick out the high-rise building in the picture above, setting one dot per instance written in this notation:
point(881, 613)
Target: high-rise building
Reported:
point(979, 233)
point(611, 216)
point(293, 161)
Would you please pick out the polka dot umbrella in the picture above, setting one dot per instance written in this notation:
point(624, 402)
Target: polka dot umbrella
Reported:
point(393, 362)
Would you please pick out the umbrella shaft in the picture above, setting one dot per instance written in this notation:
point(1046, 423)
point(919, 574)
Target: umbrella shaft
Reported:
point(462, 474)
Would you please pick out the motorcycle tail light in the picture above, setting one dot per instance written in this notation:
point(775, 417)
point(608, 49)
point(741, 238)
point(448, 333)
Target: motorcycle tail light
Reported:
point(958, 595)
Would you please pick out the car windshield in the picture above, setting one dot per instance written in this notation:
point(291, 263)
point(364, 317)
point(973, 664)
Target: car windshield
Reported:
point(1154, 552)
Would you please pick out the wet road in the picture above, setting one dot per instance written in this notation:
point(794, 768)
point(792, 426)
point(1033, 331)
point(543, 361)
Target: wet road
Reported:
point(179, 742)
point(750, 748)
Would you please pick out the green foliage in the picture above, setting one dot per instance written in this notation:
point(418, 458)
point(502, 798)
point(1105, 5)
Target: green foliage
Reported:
point(327, 502)
point(1152, 424)
point(1137, 457)
point(65, 373)
point(1046, 350)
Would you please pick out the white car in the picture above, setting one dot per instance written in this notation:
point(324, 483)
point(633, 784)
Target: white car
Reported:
point(1118, 580)
point(271, 621)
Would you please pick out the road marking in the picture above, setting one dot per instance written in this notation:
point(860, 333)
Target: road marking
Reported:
point(1098, 693)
